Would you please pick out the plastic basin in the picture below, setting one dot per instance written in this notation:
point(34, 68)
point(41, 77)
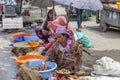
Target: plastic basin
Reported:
point(35, 45)
point(47, 73)
point(26, 39)
point(22, 59)
point(19, 35)
point(118, 5)
point(31, 38)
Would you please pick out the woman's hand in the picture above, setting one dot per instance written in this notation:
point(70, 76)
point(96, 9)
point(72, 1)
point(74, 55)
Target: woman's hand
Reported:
point(76, 52)
point(43, 67)
point(45, 32)
point(76, 48)
point(39, 35)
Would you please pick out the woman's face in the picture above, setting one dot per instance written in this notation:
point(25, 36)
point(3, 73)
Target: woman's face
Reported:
point(50, 14)
point(61, 38)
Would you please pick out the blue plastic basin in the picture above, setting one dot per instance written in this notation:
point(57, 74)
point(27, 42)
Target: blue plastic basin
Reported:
point(45, 74)
point(26, 39)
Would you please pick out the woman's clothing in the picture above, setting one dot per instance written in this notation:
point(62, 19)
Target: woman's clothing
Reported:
point(48, 45)
point(37, 29)
point(65, 57)
point(39, 33)
point(58, 22)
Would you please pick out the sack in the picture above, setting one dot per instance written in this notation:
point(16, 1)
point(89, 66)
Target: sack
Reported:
point(85, 40)
point(106, 66)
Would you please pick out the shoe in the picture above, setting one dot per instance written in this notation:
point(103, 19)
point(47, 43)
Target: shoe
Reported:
point(79, 29)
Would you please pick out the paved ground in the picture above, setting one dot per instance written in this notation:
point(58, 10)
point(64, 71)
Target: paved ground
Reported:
point(8, 67)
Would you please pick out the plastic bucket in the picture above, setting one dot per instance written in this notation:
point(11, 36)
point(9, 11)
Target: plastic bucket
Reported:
point(22, 59)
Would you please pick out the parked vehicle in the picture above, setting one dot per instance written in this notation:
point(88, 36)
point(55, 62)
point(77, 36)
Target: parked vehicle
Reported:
point(109, 16)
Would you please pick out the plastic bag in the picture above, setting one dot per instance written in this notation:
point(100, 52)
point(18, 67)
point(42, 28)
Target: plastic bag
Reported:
point(106, 66)
point(85, 40)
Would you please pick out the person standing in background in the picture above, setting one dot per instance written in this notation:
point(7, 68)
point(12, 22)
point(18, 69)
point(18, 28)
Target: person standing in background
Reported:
point(79, 19)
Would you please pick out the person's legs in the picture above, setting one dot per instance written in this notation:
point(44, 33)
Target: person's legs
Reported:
point(79, 18)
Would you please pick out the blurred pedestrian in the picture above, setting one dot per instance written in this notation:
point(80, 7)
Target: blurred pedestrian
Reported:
point(79, 19)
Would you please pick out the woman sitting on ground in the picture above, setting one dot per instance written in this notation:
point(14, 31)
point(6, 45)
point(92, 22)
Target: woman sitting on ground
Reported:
point(66, 52)
point(43, 32)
